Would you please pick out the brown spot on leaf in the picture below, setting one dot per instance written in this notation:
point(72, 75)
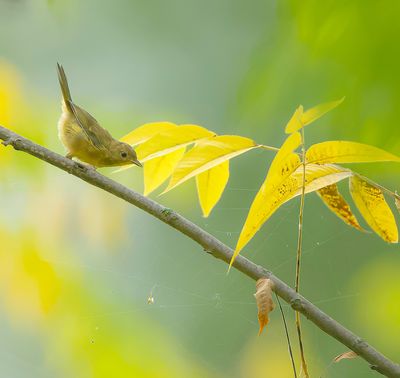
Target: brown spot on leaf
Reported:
point(334, 200)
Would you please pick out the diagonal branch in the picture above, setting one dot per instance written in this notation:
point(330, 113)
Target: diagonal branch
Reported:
point(212, 246)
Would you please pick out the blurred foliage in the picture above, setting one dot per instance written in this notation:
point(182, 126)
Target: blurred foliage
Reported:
point(77, 266)
point(384, 293)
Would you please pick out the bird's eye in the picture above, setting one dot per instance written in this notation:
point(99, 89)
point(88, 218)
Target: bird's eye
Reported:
point(124, 155)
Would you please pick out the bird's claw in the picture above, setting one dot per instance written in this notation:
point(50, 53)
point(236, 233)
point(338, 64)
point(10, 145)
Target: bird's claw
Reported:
point(85, 167)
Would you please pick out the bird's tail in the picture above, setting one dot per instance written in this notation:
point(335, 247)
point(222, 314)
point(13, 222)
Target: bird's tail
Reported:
point(62, 78)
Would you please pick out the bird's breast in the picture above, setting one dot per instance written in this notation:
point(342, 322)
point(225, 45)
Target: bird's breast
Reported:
point(76, 141)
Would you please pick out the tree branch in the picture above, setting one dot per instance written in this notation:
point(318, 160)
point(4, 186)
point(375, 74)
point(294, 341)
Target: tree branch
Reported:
point(211, 245)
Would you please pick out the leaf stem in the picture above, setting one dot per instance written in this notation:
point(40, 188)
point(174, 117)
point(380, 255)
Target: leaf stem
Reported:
point(269, 148)
point(287, 336)
point(299, 250)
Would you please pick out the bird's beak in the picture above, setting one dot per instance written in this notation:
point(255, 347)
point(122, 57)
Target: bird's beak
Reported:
point(137, 162)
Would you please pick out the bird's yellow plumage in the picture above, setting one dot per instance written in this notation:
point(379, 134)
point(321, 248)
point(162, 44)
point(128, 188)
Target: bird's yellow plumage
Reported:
point(85, 139)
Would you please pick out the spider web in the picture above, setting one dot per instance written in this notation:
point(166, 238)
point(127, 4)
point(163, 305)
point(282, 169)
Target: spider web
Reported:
point(192, 296)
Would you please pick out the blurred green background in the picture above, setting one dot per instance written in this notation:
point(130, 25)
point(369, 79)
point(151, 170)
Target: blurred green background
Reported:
point(77, 265)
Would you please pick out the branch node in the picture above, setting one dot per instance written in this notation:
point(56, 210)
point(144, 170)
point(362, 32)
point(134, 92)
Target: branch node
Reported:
point(264, 272)
point(296, 304)
point(12, 140)
point(379, 369)
point(168, 213)
point(360, 343)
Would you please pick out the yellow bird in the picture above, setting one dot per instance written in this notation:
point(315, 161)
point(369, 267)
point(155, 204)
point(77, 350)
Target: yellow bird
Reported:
point(85, 139)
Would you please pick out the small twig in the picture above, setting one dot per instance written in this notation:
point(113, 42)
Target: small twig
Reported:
point(287, 336)
point(298, 254)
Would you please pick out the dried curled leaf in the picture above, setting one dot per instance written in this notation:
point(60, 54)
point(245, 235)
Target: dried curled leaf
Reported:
point(264, 301)
point(345, 356)
point(341, 151)
point(338, 205)
point(372, 205)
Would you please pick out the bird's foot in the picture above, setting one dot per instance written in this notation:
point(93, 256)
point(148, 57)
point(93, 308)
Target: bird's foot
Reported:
point(85, 166)
point(79, 164)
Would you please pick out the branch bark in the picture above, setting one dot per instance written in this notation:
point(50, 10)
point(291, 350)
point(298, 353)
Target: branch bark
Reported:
point(213, 246)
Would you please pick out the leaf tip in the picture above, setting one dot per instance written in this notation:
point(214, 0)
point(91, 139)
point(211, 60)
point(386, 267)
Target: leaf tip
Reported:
point(294, 123)
point(166, 190)
point(146, 192)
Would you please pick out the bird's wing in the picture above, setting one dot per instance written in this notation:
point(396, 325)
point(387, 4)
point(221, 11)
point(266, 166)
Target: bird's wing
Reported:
point(85, 121)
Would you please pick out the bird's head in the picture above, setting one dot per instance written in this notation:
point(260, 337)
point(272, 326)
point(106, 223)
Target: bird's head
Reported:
point(124, 154)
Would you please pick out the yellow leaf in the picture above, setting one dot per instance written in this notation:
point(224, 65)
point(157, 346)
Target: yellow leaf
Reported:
point(301, 118)
point(146, 131)
point(269, 199)
point(211, 185)
point(373, 207)
point(171, 140)
point(337, 204)
point(264, 301)
point(345, 356)
point(157, 170)
point(283, 165)
point(295, 123)
point(318, 176)
point(207, 154)
point(347, 152)
point(285, 161)
point(318, 111)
